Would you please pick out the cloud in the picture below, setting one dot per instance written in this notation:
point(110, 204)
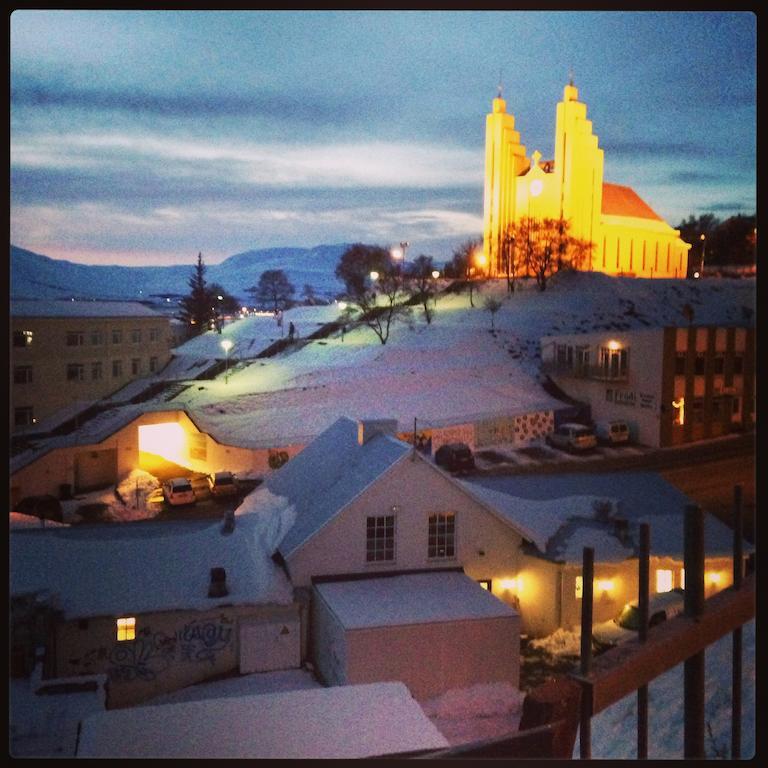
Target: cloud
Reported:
point(263, 102)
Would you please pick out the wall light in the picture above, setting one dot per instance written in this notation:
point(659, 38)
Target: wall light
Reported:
point(511, 585)
point(613, 344)
point(714, 577)
point(604, 585)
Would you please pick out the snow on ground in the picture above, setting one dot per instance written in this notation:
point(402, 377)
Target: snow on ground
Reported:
point(485, 711)
point(450, 371)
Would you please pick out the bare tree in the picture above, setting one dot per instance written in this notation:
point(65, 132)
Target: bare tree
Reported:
point(422, 284)
point(273, 289)
point(461, 263)
point(493, 306)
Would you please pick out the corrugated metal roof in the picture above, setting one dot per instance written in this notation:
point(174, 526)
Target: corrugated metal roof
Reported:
point(624, 201)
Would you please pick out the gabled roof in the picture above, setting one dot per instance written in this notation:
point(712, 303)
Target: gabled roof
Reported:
point(328, 474)
point(147, 566)
point(624, 201)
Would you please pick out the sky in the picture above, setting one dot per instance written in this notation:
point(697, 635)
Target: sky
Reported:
point(144, 137)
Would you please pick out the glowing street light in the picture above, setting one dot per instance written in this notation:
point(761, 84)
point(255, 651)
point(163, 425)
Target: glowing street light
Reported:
point(374, 275)
point(435, 273)
point(342, 305)
point(226, 345)
point(703, 239)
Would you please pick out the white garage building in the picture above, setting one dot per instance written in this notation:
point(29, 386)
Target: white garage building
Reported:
point(433, 631)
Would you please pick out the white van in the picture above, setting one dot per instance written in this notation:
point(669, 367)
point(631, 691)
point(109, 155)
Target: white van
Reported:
point(612, 432)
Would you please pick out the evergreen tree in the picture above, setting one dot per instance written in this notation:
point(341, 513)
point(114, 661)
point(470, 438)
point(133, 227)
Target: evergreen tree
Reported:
point(196, 308)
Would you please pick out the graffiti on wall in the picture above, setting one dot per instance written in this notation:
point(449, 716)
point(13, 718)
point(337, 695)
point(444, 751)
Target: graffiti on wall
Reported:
point(151, 652)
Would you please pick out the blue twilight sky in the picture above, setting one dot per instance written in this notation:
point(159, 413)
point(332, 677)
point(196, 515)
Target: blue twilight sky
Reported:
point(143, 137)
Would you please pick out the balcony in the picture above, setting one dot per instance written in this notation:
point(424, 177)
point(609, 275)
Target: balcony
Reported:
point(594, 372)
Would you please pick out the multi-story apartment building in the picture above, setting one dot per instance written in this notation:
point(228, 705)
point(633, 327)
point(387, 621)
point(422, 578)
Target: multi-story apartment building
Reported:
point(671, 385)
point(65, 352)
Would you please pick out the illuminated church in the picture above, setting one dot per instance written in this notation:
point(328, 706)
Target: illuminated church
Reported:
point(628, 237)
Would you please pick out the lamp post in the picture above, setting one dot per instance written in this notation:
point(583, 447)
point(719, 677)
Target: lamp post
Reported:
point(509, 244)
point(226, 345)
point(703, 239)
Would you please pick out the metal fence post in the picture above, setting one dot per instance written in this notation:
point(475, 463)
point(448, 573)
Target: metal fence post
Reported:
point(736, 646)
point(694, 605)
point(643, 607)
point(585, 665)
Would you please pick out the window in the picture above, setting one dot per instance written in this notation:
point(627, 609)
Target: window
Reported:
point(23, 416)
point(152, 364)
point(579, 587)
point(738, 364)
point(380, 538)
point(682, 578)
point(442, 535)
point(96, 371)
point(663, 580)
point(698, 409)
point(486, 584)
point(22, 374)
point(97, 338)
point(117, 336)
point(126, 629)
point(698, 368)
point(154, 334)
point(75, 338)
point(135, 366)
point(136, 336)
point(22, 338)
point(613, 362)
point(117, 368)
point(680, 364)
point(75, 372)
point(719, 364)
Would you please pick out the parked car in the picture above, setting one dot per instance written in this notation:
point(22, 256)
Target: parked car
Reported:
point(178, 491)
point(455, 457)
point(612, 432)
point(222, 484)
point(572, 437)
point(626, 625)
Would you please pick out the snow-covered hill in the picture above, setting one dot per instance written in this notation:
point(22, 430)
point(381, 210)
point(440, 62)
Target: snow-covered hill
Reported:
point(34, 276)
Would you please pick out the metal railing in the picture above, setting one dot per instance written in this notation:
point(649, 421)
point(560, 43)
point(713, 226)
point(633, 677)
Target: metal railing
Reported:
point(575, 371)
point(634, 664)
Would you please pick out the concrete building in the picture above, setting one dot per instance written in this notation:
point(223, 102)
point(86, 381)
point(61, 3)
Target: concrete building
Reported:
point(69, 352)
point(626, 236)
point(671, 385)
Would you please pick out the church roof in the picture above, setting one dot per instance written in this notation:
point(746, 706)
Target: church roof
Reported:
point(624, 201)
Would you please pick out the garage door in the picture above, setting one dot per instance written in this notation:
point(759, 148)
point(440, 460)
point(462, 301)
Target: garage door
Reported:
point(95, 469)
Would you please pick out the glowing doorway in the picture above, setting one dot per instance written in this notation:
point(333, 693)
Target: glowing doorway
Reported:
point(163, 441)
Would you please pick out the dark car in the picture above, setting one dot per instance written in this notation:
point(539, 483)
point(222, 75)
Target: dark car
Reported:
point(455, 457)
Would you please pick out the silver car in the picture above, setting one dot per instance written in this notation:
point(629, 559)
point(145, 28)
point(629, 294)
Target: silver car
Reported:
point(572, 437)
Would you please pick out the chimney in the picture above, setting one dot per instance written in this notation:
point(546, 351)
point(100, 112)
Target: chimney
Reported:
point(368, 428)
point(218, 585)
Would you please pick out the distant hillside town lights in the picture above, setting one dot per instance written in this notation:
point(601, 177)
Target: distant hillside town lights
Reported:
point(226, 345)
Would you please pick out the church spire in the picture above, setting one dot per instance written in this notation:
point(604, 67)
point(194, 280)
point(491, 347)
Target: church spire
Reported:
point(501, 86)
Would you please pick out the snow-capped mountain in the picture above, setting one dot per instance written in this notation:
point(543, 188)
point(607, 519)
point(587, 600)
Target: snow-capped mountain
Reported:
point(34, 276)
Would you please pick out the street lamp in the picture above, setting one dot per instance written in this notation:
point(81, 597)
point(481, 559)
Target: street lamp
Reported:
point(703, 239)
point(435, 274)
point(226, 345)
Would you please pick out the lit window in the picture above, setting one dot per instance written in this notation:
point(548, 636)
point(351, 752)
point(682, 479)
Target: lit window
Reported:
point(442, 535)
point(126, 628)
point(22, 338)
point(663, 580)
point(579, 593)
point(679, 406)
point(682, 578)
point(380, 538)
point(485, 584)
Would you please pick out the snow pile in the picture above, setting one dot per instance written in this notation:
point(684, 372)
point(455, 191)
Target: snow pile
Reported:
point(479, 712)
point(276, 516)
point(562, 642)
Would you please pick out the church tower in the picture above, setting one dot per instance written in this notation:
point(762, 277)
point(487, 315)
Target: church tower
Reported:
point(504, 160)
point(579, 169)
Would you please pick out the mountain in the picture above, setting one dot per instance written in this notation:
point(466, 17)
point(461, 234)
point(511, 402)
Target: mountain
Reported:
point(34, 276)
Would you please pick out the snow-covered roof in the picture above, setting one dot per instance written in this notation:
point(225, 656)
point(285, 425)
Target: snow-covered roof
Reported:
point(20, 520)
point(636, 497)
point(350, 721)
point(417, 598)
point(148, 566)
point(60, 308)
point(328, 474)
